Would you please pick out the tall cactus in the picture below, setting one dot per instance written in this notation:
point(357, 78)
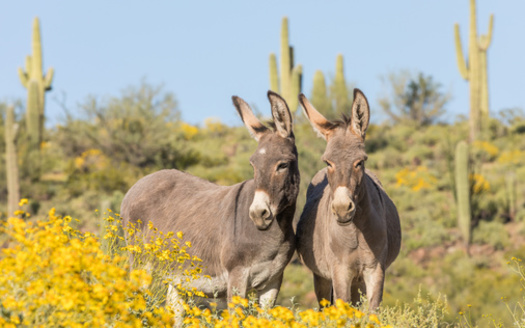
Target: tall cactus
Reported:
point(288, 83)
point(37, 84)
point(339, 88)
point(511, 186)
point(319, 96)
point(474, 70)
point(13, 186)
point(463, 198)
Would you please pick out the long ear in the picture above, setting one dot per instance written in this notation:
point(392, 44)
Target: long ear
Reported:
point(256, 128)
point(321, 125)
point(281, 115)
point(360, 114)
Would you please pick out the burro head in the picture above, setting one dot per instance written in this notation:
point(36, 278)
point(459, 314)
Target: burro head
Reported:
point(276, 172)
point(345, 154)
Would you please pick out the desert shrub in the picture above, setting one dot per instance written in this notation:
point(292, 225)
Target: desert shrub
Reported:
point(421, 313)
point(492, 233)
point(53, 275)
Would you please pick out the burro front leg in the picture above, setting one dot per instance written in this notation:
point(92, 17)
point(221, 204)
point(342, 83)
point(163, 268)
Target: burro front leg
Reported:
point(374, 280)
point(342, 279)
point(268, 294)
point(237, 283)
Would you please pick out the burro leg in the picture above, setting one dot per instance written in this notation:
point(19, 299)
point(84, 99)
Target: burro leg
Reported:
point(374, 280)
point(174, 301)
point(323, 288)
point(342, 279)
point(237, 283)
point(268, 294)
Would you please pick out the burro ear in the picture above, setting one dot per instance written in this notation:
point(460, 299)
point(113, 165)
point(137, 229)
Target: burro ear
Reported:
point(360, 114)
point(281, 115)
point(256, 128)
point(320, 124)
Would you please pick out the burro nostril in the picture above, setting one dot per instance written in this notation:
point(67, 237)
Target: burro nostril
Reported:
point(351, 206)
point(261, 213)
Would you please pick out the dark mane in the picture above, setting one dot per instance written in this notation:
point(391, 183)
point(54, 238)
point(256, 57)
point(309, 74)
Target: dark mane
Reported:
point(343, 122)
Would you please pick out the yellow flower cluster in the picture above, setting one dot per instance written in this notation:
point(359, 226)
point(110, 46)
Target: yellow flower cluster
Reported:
point(165, 252)
point(244, 313)
point(53, 275)
point(91, 159)
point(417, 179)
point(516, 157)
point(479, 183)
point(189, 131)
point(486, 147)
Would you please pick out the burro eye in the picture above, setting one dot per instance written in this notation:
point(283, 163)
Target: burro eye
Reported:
point(359, 164)
point(328, 164)
point(283, 166)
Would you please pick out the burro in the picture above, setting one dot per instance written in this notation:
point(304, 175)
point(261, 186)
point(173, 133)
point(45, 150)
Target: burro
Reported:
point(243, 233)
point(349, 231)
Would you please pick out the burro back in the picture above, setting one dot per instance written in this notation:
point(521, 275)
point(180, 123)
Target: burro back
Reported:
point(349, 231)
point(243, 233)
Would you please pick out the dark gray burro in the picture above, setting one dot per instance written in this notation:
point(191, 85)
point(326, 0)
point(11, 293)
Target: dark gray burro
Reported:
point(349, 231)
point(243, 233)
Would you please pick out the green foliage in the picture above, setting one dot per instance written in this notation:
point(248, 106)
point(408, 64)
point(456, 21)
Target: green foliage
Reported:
point(422, 312)
point(463, 198)
point(288, 84)
point(474, 70)
point(414, 100)
point(492, 233)
point(13, 185)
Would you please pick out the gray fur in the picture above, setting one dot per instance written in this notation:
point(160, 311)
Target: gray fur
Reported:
point(237, 254)
point(348, 254)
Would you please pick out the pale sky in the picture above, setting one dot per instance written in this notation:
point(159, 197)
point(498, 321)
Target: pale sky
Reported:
point(206, 51)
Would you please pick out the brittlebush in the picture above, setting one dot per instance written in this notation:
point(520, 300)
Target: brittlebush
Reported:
point(52, 275)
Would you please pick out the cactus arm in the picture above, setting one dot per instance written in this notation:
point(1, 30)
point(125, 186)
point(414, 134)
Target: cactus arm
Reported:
point(274, 77)
point(485, 40)
point(23, 77)
point(48, 79)
point(462, 64)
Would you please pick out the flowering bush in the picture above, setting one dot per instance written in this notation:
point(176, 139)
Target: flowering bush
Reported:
point(417, 179)
point(54, 275)
point(246, 313)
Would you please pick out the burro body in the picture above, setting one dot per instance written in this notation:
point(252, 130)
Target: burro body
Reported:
point(349, 231)
point(243, 233)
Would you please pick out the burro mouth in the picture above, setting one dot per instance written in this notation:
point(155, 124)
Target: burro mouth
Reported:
point(263, 224)
point(345, 220)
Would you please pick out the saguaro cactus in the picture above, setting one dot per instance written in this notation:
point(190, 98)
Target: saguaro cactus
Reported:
point(319, 95)
point(463, 190)
point(474, 70)
point(511, 186)
point(37, 84)
point(13, 187)
point(288, 85)
point(339, 88)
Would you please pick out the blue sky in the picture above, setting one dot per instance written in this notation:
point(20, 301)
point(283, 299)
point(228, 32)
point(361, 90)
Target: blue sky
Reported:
point(206, 51)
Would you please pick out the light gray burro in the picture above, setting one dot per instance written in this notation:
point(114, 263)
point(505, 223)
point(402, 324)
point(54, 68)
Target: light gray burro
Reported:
point(243, 233)
point(349, 231)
